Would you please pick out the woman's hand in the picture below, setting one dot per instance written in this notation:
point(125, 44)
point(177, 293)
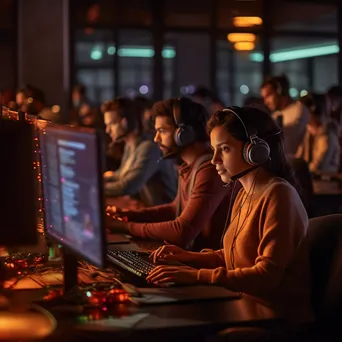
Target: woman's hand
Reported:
point(116, 224)
point(172, 274)
point(109, 174)
point(170, 253)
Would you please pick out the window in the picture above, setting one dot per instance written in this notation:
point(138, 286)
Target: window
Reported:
point(309, 63)
point(94, 64)
point(237, 76)
point(191, 65)
point(300, 16)
point(135, 69)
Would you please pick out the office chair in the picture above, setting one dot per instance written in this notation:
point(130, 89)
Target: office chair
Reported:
point(325, 243)
point(304, 179)
point(325, 238)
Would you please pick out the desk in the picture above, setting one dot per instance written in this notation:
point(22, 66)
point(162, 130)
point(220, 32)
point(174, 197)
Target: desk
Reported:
point(327, 197)
point(322, 188)
point(167, 322)
point(192, 322)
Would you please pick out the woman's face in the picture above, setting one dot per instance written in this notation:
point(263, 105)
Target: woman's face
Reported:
point(227, 157)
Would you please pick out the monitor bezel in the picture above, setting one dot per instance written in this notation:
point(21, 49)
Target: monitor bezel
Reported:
point(100, 184)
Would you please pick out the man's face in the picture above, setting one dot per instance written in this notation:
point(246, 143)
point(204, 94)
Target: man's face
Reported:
point(165, 130)
point(147, 119)
point(227, 154)
point(20, 98)
point(114, 125)
point(270, 97)
point(313, 125)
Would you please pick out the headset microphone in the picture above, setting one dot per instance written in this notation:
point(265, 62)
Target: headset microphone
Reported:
point(239, 175)
point(120, 138)
point(167, 156)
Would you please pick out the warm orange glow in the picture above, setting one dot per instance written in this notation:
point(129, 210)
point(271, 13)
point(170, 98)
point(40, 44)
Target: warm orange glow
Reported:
point(244, 46)
point(18, 325)
point(246, 21)
point(241, 37)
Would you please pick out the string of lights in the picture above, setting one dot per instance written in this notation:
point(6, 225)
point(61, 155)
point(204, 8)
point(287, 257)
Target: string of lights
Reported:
point(10, 114)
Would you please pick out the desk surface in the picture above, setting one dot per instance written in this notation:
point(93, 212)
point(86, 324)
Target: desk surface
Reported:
point(159, 322)
point(327, 188)
point(176, 320)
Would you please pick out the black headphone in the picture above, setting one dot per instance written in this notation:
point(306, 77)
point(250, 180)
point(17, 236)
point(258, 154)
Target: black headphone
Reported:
point(279, 88)
point(184, 134)
point(256, 151)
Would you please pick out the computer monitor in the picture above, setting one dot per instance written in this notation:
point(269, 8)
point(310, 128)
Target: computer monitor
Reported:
point(73, 191)
point(18, 184)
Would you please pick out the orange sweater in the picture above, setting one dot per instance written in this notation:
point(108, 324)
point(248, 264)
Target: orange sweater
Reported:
point(270, 260)
point(203, 214)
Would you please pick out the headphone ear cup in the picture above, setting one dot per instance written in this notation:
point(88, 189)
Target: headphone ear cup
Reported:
point(177, 136)
point(184, 135)
point(256, 152)
point(245, 150)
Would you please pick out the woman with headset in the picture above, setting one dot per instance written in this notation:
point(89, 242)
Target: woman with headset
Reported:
point(264, 247)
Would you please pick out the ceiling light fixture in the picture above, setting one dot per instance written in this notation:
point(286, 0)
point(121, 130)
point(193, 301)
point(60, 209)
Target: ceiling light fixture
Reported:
point(241, 37)
point(247, 21)
point(298, 53)
point(244, 46)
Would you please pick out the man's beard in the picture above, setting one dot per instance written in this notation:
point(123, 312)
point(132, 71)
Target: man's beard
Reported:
point(118, 133)
point(169, 152)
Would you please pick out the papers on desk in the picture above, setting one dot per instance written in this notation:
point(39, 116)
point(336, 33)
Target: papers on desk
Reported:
point(150, 296)
point(126, 322)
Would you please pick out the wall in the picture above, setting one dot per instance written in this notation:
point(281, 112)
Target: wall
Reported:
point(43, 48)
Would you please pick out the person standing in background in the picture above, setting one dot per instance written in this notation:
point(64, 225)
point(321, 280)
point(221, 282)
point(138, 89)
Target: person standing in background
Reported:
point(293, 115)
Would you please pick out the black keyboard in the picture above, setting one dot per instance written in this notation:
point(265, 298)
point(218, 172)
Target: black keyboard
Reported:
point(130, 261)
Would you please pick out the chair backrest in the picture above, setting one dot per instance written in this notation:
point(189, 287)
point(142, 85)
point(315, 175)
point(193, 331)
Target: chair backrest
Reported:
point(304, 179)
point(325, 239)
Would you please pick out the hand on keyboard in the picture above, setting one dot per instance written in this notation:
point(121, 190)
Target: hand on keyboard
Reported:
point(172, 274)
point(170, 253)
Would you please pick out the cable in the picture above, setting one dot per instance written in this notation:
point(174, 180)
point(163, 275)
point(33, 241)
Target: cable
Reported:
point(237, 229)
point(232, 220)
point(236, 233)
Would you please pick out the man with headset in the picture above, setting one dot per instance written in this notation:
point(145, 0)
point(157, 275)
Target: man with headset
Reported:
point(139, 174)
point(196, 218)
point(293, 116)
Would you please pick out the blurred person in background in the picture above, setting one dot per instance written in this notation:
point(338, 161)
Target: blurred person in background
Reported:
point(82, 112)
point(256, 102)
point(291, 115)
point(146, 115)
point(35, 104)
point(320, 147)
point(334, 103)
point(142, 174)
point(78, 96)
point(208, 99)
point(20, 97)
point(6, 98)
point(114, 149)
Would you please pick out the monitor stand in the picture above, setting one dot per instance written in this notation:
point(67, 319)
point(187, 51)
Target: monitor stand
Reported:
point(70, 270)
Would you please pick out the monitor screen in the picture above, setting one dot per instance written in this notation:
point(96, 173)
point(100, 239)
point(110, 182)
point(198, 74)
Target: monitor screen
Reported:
point(72, 190)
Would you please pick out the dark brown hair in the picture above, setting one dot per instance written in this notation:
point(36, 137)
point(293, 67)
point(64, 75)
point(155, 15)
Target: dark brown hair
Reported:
point(193, 114)
point(279, 83)
point(126, 108)
point(266, 128)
